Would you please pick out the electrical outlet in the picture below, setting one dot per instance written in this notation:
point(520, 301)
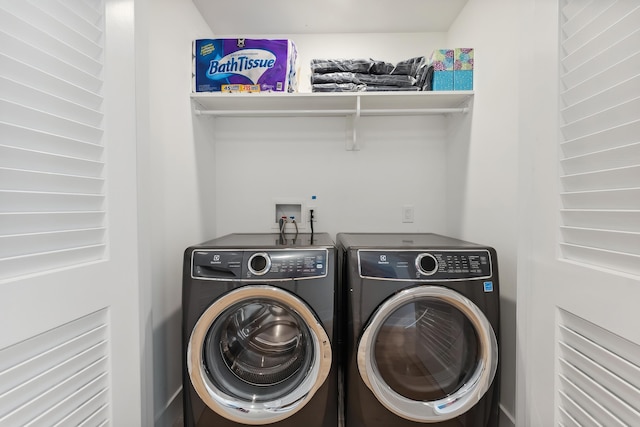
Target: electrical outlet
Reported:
point(407, 213)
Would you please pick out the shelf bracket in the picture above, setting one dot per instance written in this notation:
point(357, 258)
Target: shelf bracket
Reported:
point(352, 128)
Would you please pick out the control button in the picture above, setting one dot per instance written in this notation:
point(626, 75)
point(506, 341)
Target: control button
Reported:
point(426, 264)
point(259, 263)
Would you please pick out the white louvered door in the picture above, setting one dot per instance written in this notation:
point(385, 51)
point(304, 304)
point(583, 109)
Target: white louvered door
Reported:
point(579, 278)
point(69, 305)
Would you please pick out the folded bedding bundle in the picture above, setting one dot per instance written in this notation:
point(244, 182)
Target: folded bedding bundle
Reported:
point(357, 75)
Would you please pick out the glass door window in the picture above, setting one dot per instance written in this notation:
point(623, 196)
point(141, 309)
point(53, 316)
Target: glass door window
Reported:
point(428, 354)
point(426, 350)
point(258, 350)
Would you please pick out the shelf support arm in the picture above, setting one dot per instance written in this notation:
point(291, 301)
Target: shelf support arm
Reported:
point(352, 128)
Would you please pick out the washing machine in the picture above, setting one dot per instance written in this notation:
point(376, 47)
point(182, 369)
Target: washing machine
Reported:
point(422, 331)
point(259, 331)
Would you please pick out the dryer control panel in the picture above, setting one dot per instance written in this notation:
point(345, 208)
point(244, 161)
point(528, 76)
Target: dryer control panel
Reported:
point(259, 265)
point(427, 265)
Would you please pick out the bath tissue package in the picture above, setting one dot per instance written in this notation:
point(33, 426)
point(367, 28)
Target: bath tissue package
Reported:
point(244, 65)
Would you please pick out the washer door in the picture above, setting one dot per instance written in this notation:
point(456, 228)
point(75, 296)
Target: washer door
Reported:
point(428, 354)
point(257, 355)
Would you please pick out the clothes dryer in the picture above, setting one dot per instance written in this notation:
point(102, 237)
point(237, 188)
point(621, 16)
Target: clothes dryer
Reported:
point(258, 331)
point(422, 331)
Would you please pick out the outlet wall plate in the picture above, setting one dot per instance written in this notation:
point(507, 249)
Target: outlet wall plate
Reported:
point(407, 213)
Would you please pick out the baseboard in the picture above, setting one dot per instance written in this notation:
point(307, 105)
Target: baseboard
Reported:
point(506, 418)
point(171, 414)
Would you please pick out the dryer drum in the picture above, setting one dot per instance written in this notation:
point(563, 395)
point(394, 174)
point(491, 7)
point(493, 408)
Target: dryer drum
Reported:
point(262, 343)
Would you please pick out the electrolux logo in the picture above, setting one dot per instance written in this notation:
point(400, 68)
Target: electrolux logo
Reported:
point(383, 259)
point(250, 63)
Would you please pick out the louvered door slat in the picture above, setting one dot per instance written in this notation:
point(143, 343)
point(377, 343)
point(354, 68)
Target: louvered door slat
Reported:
point(24, 201)
point(47, 181)
point(25, 159)
point(16, 245)
point(601, 179)
point(613, 260)
point(615, 241)
point(29, 222)
point(26, 138)
point(621, 220)
point(626, 199)
point(42, 262)
point(609, 158)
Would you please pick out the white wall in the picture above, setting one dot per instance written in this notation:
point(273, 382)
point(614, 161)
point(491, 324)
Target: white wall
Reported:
point(179, 187)
point(483, 168)
point(400, 163)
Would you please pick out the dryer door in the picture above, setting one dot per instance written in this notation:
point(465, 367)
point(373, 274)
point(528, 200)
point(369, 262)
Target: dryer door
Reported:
point(428, 354)
point(257, 355)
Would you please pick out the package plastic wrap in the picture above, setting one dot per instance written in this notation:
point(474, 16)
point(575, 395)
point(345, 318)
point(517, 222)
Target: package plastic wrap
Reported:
point(340, 77)
point(386, 80)
point(366, 79)
point(392, 89)
point(244, 65)
point(367, 66)
point(337, 87)
point(409, 67)
point(425, 77)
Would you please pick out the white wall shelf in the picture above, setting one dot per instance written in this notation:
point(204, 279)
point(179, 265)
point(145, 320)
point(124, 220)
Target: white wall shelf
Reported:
point(351, 104)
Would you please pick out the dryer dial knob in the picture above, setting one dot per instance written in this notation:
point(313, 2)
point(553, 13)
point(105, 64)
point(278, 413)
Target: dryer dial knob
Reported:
point(426, 264)
point(259, 263)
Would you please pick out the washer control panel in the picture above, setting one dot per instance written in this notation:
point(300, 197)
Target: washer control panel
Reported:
point(256, 265)
point(434, 265)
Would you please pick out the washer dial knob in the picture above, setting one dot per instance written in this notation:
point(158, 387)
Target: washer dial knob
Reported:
point(259, 263)
point(426, 264)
